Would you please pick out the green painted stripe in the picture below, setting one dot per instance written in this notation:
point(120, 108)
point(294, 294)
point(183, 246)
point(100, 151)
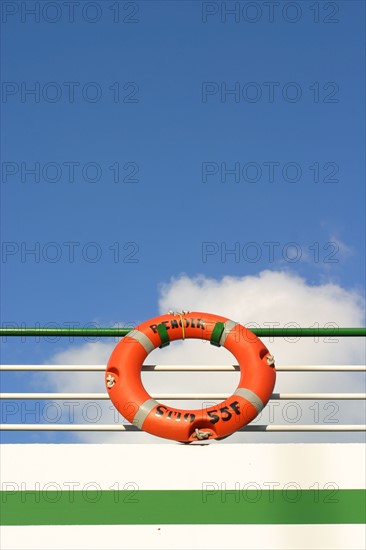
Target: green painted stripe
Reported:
point(183, 507)
point(164, 336)
point(216, 334)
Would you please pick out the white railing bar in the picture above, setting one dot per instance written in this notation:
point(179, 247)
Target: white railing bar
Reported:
point(306, 428)
point(183, 396)
point(188, 368)
point(130, 427)
point(319, 396)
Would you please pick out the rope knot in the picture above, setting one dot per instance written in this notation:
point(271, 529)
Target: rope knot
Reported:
point(201, 435)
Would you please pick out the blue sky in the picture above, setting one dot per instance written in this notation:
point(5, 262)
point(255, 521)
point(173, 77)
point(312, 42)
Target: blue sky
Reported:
point(171, 132)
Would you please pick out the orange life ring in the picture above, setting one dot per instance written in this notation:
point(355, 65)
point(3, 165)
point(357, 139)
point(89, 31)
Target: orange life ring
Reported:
point(125, 388)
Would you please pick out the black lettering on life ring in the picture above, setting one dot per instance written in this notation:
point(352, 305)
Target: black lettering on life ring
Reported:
point(225, 414)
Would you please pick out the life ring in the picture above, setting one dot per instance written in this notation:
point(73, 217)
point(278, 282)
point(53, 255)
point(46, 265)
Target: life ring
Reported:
point(125, 388)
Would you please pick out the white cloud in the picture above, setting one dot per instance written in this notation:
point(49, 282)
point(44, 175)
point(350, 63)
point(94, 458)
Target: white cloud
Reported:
point(343, 248)
point(276, 299)
point(270, 298)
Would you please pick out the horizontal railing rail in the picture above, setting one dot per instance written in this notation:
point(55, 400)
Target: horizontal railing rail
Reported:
point(131, 428)
point(183, 396)
point(184, 368)
point(285, 332)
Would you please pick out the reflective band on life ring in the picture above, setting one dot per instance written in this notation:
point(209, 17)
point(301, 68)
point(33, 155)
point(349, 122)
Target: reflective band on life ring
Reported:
point(125, 388)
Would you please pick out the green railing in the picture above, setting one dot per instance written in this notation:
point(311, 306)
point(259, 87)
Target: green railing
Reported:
point(286, 332)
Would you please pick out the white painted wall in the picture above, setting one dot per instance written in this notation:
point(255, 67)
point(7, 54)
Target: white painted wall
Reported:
point(174, 466)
